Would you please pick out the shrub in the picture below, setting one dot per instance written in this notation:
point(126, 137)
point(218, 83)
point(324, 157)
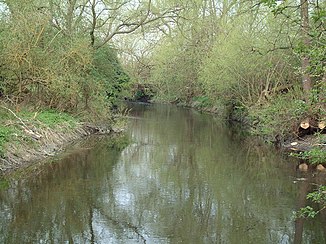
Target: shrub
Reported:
point(281, 116)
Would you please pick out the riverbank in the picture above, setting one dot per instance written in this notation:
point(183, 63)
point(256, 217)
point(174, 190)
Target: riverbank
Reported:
point(309, 146)
point(27, 136)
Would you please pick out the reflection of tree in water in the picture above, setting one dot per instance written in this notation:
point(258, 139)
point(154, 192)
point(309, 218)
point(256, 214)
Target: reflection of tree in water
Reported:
point(308, 183)
point(226, 187)
point(55, 205)
point(182, 179)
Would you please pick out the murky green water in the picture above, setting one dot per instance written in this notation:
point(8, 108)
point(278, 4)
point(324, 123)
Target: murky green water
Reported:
point(183, 178)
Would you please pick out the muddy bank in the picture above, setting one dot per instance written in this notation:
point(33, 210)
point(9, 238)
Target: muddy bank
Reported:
point(46, 142)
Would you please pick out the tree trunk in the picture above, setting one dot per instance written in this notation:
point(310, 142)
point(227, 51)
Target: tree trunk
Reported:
point(306, 80)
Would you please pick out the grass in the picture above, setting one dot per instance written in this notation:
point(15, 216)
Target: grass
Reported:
point(49, 117)
point(202, 102)
point(5, 136)
point(7, 130)
point(52, 118)
point(11, 129)
point(4, 184)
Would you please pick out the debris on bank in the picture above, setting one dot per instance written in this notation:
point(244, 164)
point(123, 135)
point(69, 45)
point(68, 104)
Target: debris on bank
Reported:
point(29, 138)
point(311, 150)
point(45, 143)
point(306, 144)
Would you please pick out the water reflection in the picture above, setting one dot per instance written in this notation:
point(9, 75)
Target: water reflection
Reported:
point(184, 178)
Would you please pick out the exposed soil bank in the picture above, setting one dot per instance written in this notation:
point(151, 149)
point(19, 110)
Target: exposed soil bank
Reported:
point(45, 143)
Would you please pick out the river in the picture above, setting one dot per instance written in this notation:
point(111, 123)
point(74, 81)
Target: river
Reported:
point(181, 177)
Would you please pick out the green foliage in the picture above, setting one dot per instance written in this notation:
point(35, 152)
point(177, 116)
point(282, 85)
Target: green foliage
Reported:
point(175, 70)
point(314, 156)
point(278, 117)
point(4, 184)
point(5, 135)
point(230, 67)
point(53, 67)
point(143, 92)
point(316, 50)
point(202, 102)
point(109, 73)
point(239, 69)
point(246, 61)
point(52, 118)
point(306, 212)
point(269, 3)
point(139, 94)
point(317, 197)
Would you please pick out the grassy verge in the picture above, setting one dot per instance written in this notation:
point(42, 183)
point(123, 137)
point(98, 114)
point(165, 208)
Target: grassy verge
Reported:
point(29, 135)
point(26, 125)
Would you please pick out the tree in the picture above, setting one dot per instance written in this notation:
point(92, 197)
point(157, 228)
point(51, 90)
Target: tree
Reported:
point(104, 19)
point(306, 80)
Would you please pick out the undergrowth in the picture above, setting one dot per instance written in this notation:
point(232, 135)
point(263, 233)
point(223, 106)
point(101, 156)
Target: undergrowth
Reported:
point(314, 156)
point(279, 117)
point(4, 184)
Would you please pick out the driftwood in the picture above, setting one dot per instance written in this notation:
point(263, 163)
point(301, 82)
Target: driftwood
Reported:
point(303, 167)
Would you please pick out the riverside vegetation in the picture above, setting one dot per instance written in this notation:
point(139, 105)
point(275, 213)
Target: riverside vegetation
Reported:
point(52, 77)
point(62, 56)
point(261, 62)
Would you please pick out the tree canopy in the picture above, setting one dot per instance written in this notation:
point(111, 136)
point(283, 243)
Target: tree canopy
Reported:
point(237, 56)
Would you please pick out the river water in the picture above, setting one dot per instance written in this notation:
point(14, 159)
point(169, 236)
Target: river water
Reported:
point(182, 177)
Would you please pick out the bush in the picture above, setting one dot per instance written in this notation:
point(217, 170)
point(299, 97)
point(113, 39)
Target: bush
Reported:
point(314, 156)
point(56, 69)
point(281, 116)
